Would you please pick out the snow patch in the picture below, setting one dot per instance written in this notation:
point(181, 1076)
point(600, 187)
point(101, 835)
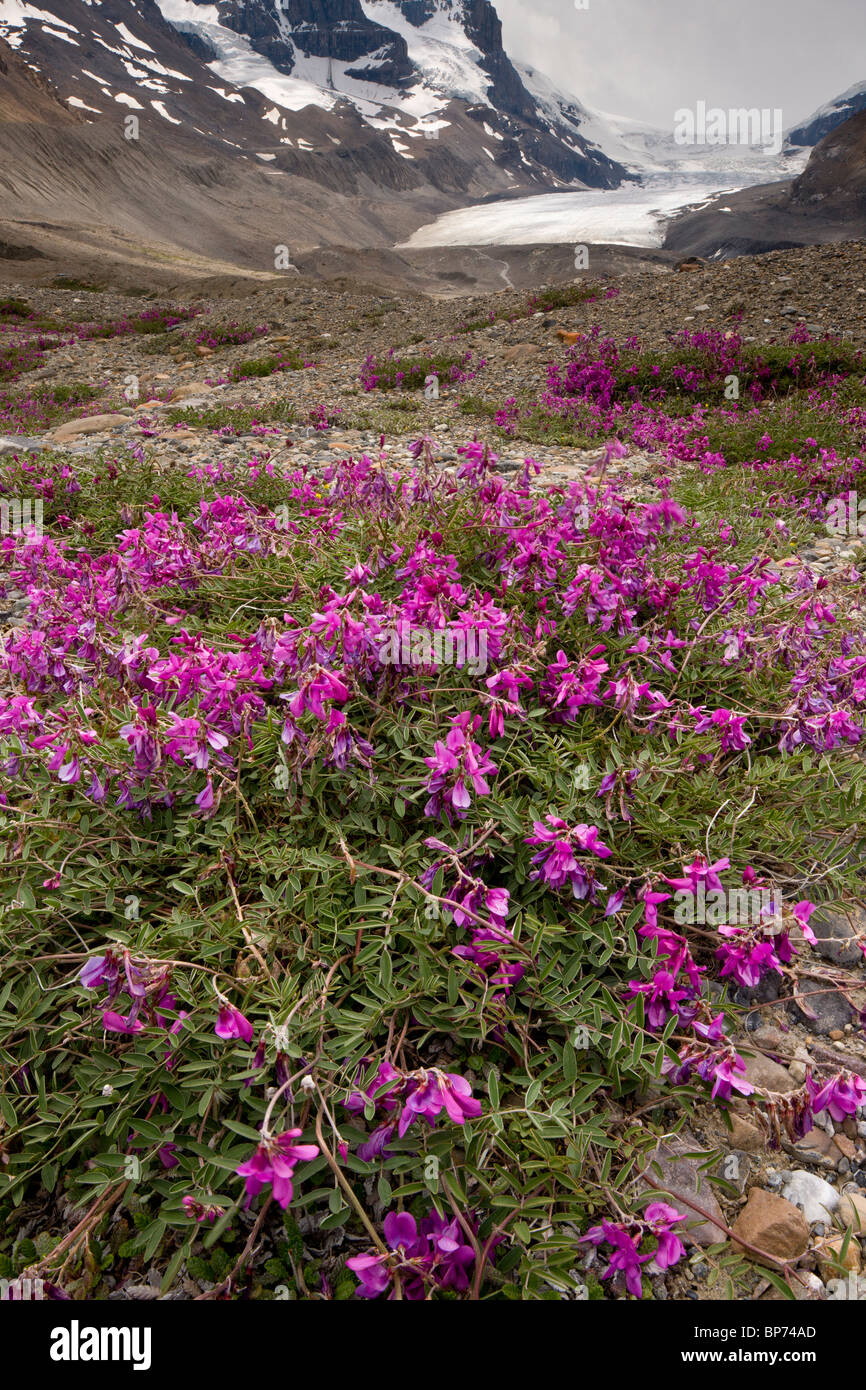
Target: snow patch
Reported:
point(440, 48)
point(130, 38)
point(14, 16)
point(59, 34)
point(160, 107)
point(227, 96)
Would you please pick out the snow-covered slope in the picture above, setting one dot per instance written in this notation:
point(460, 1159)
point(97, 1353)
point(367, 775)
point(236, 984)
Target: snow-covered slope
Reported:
point(414, 71)
point(829, 117)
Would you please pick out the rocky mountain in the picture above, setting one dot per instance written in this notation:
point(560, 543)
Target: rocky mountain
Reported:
point(825, 203)
point(181, 130)
point(834, 181)
point(414, 73)
point(830, 116)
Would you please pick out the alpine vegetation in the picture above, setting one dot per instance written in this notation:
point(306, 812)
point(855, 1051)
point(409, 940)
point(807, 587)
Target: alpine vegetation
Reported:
point(393, 850)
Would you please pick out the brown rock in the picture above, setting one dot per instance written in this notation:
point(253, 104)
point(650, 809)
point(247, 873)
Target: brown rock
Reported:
point(830, 1256)
point(520, 352)
point(566, 337)
point(92, 424)
point(763, 1071)
point(774, 1226)
point(744, 1135)
point(845, 1146)
point(188, 388)
point(852, 1211)
point(816, 1145)
point(769, 1038)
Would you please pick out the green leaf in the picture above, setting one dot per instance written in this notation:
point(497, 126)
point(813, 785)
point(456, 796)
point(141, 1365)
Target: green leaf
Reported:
point(245, 1131)
point(783, 1287)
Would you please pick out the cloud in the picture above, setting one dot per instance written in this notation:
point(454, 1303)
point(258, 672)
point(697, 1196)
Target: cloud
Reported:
point(647, 58)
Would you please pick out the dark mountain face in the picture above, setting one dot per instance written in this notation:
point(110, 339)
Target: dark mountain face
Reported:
point(834, 181)
point(336, 29)
point(826, 203)
point(507, 92)
point(406, 80)
point(134, 131)
point(340, 31)
point(829, 118)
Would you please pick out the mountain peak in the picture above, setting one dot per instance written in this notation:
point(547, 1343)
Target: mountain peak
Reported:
point(413, 71)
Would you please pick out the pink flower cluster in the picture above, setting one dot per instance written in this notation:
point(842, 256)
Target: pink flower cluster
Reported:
point(459, 767)
point(410, 1096)
point(146, 988)
point(429, 1254)
point(562, 862)
point(626, 1238)
point(273, 1163)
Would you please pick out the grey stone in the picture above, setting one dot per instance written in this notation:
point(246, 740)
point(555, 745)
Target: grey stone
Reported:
point(816, 1198)
point(763, 993)
point(681, 1179)
point(827, 1007)
point(735, 1168)
point(19, 444)
point(836, 936)
point(764, 1072)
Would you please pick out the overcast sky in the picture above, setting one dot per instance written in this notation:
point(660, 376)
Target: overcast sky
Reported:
point(646, 58)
